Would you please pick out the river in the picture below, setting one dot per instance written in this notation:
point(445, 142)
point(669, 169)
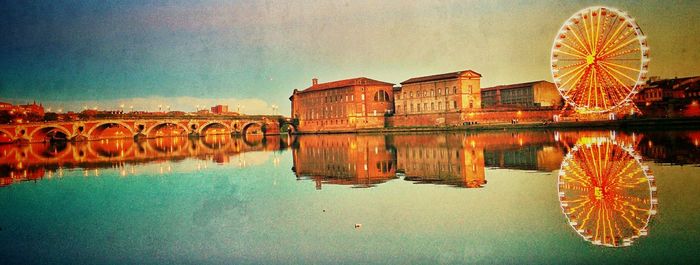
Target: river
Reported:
point(506, 197)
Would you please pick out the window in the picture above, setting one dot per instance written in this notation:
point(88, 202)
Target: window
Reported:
point(381, 96)
point(352, 97)
point(455, 104)
point(363, 96)
point(454, 90)
point(432, 106)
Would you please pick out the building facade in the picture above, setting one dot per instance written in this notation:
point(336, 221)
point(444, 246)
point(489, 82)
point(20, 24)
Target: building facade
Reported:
point(528, 95)
point(434, 100)
point(219, 109)
point(342, 105)
point(449, 92)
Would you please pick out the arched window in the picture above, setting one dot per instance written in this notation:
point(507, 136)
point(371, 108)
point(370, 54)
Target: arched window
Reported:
point(381, 95)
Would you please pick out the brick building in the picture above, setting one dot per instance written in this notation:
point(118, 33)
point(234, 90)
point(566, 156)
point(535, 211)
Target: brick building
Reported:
point(219, 109)
point(437, 99)
point(450, 92)
point(342, 105)
point(531, 94)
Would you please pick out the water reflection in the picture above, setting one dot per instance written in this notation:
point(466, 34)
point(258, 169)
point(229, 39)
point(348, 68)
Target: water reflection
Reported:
point(457, 159)
point(605, 191)
point(453, 159)
point(35, 161)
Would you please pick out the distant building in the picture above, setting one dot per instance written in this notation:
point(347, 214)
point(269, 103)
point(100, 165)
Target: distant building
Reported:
point(531, 94)
point(449, 92)
point(219, 109)
point(669, 89)
point(5, 106)
point(342, 105)
point(34, 109)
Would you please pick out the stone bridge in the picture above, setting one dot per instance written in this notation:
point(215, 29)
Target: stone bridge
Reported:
point(100, 129)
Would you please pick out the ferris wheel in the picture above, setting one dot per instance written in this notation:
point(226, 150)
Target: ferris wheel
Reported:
point(606, 193)
point(599, 59)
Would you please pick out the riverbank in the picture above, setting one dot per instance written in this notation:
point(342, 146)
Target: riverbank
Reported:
point(660, 123)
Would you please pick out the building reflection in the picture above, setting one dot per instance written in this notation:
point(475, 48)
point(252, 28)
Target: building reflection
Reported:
point(454, 159)
point(447, 159)
point(345, 159)
point(36, 161)
point(606, 193)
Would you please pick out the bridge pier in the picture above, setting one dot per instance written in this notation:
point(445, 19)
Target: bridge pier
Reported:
point(79, 138)
point(139, 137)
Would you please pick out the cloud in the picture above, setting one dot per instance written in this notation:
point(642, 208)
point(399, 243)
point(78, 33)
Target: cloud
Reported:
point(185, 103)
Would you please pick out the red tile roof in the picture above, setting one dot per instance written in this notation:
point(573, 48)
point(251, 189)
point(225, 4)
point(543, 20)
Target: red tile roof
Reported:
point(512, 85)
point(438, 77)
point(344, 83)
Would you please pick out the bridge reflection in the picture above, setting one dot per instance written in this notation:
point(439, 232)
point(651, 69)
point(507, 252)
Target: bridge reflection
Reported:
point(34, 161)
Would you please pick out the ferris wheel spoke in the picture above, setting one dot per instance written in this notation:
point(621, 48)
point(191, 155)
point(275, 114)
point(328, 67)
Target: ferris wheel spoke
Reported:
point(620, 73)
point(582, 54)
point(614, 36)
point(605, 53)
point(597, 33)
point(571, 54)
point(573, 31)
point(620, 66)
point(578, 68)
point(621, 53)
point(577, 77)
point(588, 33)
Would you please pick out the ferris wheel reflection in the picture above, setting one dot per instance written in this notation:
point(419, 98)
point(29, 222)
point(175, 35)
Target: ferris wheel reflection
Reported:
point(606, 192)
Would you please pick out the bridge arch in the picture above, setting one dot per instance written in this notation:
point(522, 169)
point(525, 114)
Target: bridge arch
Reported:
point(100, 125)
point(254, 126)
point(202, 129)
point(50, 152)
point(149, 131)
point(6, 136)
point(46, 129)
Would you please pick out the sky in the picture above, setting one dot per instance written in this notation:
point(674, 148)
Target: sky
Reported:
point(73, 54)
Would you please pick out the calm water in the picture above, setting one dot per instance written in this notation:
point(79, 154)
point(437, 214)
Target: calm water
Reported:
point(495, 197)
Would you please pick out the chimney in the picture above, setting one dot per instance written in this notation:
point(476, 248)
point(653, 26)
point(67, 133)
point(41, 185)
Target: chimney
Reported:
point(314, 81)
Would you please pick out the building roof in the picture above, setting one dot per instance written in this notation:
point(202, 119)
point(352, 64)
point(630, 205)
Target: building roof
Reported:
point(513, 85)
point(439, 77)
point(344, 83)
point(674, 83)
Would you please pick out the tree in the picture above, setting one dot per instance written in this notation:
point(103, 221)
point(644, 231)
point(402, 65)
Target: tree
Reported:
point(50, 116)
